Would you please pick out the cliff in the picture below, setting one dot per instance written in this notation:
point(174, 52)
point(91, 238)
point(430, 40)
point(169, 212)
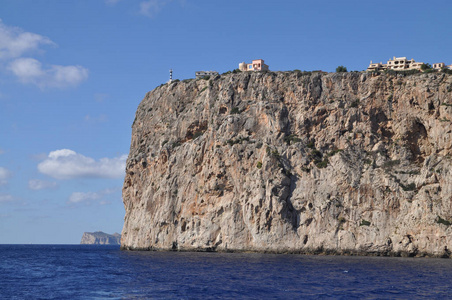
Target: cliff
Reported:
point(345, 163)
point(100, 238)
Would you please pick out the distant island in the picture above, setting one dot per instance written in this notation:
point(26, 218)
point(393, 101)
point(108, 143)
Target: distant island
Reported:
point(100, 238)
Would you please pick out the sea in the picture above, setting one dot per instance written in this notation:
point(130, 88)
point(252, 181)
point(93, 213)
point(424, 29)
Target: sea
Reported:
point(106, 272)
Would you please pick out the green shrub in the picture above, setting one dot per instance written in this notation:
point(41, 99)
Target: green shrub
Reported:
point(259, 164)
point(334, 152)
point(364, 223)
point(391, 163)
point(240, 140)
point(426, 66)
point(176, 144)
point(409, 187)
point(322, 164)
point(276, 154)
point(354, 103)
point(198, 134)
point(440, 220)
point(291, 139)
point(316, 153)
point(310, 145)
point(235, 110)
point(341, 69)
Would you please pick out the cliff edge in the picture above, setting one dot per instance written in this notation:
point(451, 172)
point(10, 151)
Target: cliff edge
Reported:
point(100, 238)
point(345, 163)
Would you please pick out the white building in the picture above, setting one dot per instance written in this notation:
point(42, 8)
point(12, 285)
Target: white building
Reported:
point(402, 64)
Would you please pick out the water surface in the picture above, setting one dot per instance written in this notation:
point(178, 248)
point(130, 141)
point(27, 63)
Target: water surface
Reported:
point(105, 272)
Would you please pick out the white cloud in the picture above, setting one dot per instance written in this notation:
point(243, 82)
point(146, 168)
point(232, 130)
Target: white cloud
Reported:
point(6, 198)
point(151, 8)
point(37, 184)
point(14, 42)
point(30, 70)
point(67, 164)
point(100, 119)
point(5, 174)
point(79, 197)
point(112, 2)
point(100, 97)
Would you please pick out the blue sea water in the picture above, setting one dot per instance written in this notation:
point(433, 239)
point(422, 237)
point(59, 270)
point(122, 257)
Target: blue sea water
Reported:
point(105, 272)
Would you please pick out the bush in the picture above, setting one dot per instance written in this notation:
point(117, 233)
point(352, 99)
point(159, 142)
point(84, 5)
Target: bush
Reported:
point(409, 187)
point(235, 110)
point(198, 134)
point(446, 70)
point(334, 152)
point(322, 164)
point(364, 223)
point(341, 69)
point(440, 220)
point(275, 154)
point(354, 103)
point(391, 163)
point(426, 66)
point(292, 139)
point(259, 164)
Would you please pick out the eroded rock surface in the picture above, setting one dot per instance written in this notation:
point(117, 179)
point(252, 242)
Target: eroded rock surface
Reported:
point(293, 162)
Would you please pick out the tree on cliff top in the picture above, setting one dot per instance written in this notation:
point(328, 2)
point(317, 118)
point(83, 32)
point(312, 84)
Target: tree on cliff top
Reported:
point(341, 69)
point(426, 66)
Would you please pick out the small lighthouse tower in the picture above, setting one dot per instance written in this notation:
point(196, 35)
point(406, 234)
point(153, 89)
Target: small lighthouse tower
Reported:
point(170, 76)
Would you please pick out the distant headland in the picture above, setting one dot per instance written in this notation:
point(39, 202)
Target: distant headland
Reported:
point(100, 238)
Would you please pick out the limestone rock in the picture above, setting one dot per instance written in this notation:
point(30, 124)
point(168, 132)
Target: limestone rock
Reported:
point(293, 162)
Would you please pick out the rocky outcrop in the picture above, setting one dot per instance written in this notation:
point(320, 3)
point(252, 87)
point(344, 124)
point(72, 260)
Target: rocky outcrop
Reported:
point(293, 162)
point(100, 238)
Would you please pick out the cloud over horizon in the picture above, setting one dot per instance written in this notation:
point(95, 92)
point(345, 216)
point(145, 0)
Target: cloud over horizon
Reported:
point(151, 8)
point(15, 43)
point(30, 70)
point(78, 197)
point(6, 198)
point(37, 184)
point(67, 164)
point(5, 174)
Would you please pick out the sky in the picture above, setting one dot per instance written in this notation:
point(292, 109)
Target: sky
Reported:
point(72, 74)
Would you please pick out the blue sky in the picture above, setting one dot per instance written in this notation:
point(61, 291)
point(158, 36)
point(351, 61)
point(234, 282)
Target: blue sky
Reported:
point(72, 74)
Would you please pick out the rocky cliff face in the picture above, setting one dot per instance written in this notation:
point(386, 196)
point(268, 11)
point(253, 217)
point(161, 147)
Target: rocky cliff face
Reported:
point(100, 238)
point(293, 162)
